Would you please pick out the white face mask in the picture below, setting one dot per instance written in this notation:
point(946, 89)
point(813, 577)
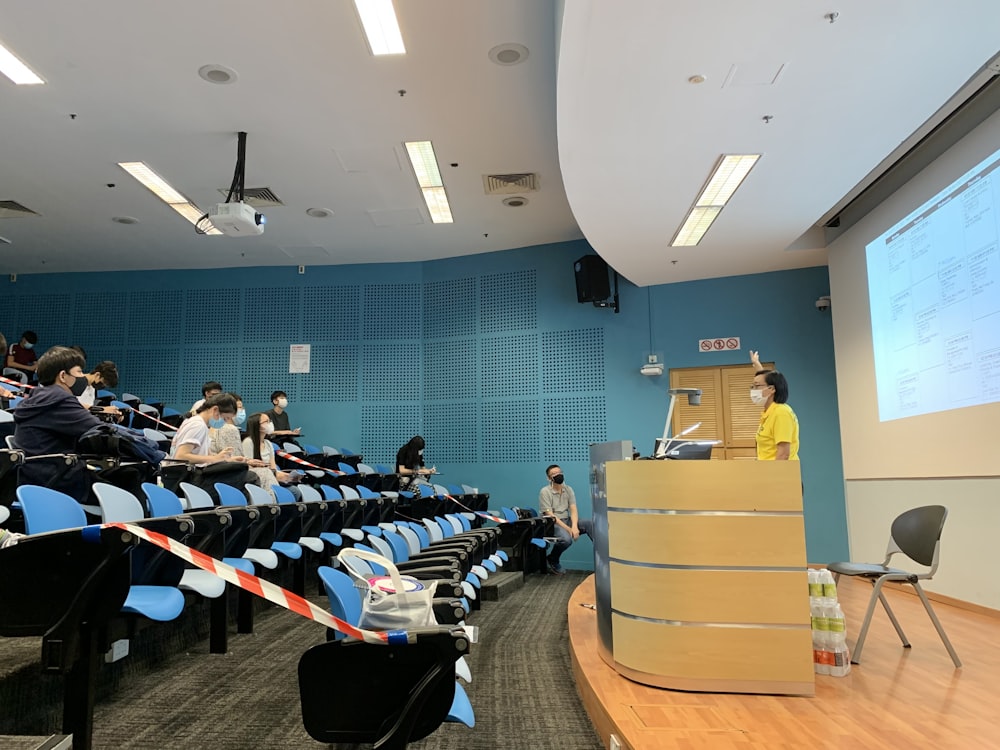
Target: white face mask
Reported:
point(269, 428)
point(420, 452)
point(757, 396)
point(282, 403)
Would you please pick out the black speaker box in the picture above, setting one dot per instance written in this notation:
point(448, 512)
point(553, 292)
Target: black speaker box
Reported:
point(592, 283)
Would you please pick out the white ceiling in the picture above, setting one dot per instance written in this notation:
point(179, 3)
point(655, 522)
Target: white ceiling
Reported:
point(311, 98)
point(635, 140)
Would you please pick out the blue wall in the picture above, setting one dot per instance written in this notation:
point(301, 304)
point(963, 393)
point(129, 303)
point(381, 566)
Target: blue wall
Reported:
point(489, 357)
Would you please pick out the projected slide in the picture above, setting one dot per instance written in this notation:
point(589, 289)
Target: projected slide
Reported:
point(934, 291)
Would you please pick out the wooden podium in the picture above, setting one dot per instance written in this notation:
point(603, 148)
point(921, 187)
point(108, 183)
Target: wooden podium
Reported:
point(706, 572)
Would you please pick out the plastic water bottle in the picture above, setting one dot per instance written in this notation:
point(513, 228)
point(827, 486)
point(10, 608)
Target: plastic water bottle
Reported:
point(815, 586)
point(829, 587)
point(820, 632)
point(841, 665)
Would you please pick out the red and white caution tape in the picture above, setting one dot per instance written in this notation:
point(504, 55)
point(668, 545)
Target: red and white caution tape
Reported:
point(17, 383)
point(295, 459)
point(260, 587)
point(479, 513)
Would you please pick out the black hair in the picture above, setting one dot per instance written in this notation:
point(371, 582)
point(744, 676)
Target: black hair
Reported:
point(225, 402)
point(56, 360)
point(255, 433)
point(81, 350)
point(553, 466)
point(236, 396)
point(3, 346)
point(32, 338)
point(211, 385)
point(777, 380)
point(410, 453)
point(108, 372)
point(278, 394)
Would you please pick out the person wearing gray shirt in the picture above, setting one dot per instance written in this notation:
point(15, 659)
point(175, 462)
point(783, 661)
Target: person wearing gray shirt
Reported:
point(557, 499)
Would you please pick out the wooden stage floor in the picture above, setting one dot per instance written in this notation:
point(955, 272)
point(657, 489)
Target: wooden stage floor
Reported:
point(897, 698)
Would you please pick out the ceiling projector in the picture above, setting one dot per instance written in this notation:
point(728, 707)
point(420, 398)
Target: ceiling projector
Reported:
point(236, 219)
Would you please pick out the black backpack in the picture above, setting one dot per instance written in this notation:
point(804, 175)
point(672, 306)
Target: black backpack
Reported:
point(121, 442)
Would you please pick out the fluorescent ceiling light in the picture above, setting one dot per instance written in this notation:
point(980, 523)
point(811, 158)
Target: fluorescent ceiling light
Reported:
point(425, 167)
point(166, 193)
point(695, 225)
point(378, 18)
point(16, 70)
point(728, 175)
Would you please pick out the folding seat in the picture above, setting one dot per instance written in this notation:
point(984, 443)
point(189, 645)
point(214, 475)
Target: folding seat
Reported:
point(413, 684)
point(47, 510)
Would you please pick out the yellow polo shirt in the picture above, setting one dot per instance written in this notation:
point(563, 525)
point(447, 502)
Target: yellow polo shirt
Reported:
point(778, 424)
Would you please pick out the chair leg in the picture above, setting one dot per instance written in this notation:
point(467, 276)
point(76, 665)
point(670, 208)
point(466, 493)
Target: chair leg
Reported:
point(937, 625)
point(218, 629)
point(892, 618)
point(244, 611)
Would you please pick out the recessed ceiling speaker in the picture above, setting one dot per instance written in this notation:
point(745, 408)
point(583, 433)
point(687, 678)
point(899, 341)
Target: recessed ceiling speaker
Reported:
point(592, 283)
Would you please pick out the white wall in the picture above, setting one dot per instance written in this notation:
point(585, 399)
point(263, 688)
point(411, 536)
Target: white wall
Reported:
point(950, 458)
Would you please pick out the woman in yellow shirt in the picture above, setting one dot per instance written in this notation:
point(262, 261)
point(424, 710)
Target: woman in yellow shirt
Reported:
point(778, 432)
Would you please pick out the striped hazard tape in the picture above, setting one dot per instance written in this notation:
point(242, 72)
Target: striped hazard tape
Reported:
point(262, 588)
point(295, 459)
point(17, 383)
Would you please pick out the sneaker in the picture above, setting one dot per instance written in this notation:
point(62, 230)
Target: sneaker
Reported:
point(556, 569)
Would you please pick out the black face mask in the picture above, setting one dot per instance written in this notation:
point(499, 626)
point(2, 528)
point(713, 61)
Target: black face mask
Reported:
point(79, 386)
point(558, 479)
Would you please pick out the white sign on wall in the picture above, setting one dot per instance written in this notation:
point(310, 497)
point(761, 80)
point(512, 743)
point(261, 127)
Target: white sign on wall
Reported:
point(723, 344)
point(298, 357)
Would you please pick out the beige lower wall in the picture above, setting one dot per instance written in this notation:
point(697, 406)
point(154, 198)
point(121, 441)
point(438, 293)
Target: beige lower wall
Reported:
point(970, 545)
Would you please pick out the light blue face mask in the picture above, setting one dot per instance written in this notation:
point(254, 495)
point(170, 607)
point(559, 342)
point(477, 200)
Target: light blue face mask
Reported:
point(241, 417)
point(28, 345)
point(216, 423)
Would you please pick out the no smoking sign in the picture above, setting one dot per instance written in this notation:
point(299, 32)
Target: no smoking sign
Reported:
point(723, 344)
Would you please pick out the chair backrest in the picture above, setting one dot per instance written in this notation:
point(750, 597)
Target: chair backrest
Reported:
point(346, 452)
point(6, 416)
point(330, 493)
point(376, 569)
point(196, 496)
point(161, 501)
point(282, 494)
point(117, 505)
point(147, 409)
point(155, 435)
point(508, 514)
point(105, 393)
point(258, 495)
point(345, 599)
point(331, 451)
point(13, 373)
point(310, 494)
point(382, 547)
point(313, 449)
point(349, 493)
point(456, 523)
point(410, 537)
point(346, 468)
point(917, 533)
point(434, 532)
point(400, 548)
point(365, 492)
point(440, 489)
point(447, 529)
point(366, 469)
point(291, 448)
point(383, 469)
point(47, 510)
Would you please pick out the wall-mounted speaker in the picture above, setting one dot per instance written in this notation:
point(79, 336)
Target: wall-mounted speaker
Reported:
point(592, 283)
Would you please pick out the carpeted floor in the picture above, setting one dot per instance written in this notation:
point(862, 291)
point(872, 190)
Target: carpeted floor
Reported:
point(522, 690)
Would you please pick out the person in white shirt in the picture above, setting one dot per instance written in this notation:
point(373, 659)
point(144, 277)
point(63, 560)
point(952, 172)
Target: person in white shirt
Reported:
point(192, 443)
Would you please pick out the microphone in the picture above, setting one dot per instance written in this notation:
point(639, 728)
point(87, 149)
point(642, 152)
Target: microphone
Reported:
point(661, 448)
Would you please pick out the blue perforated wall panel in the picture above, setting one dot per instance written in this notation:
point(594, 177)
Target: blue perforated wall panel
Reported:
point(573, 361)
point(450, 308)
point(450, 369)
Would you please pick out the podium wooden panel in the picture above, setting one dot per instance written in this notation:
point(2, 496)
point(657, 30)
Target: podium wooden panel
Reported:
point(707, 571)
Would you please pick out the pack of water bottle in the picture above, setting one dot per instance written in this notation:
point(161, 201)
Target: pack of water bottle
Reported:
point(829, 631)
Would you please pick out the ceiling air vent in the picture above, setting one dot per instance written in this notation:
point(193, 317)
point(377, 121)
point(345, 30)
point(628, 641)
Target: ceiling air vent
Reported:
point(510, 184)
point(14, 210)
point(258, 197)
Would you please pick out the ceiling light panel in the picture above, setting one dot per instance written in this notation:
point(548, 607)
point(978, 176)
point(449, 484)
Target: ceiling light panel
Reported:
point(425, 168)
point(695, 225)
point(167, 193)
point(729, 173)
point(16, 70)
point(378, 18)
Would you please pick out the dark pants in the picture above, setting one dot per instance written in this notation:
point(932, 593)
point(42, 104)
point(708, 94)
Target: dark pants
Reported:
point(564, 539)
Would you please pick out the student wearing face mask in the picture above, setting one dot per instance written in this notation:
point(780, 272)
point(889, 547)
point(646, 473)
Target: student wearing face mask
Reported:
point(557, 499)
point(193, 443)
point(21, 356)
point(279, 417)
point(410, 463)
point(228, 435)
point(51, 420)
point(778, 431)
point(257, 448)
